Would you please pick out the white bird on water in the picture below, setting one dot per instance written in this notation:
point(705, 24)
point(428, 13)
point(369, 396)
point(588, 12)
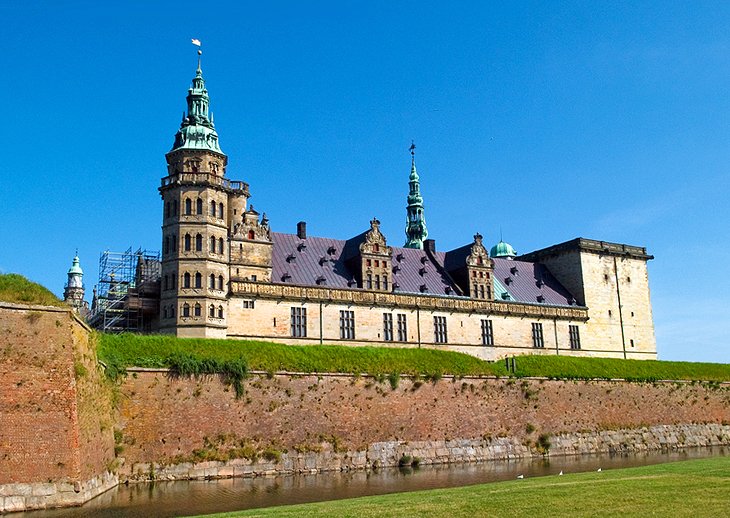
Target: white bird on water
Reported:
point(520, 476)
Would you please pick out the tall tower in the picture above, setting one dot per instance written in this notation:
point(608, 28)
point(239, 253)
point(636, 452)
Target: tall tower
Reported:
point(416, 232)
point(73, 291)
point(200, 206)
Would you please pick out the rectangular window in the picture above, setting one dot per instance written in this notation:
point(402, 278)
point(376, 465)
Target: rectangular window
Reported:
point(537, 339)
point(347, 324)
point(298, 321)
point(439, 330)
point(402, 328)
point(369, 283)
point(248, 304)
point(487, 334)
point(388, 327)
point(574, 334)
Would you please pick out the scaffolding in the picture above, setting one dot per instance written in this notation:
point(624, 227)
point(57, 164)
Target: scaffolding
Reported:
point(126, 299)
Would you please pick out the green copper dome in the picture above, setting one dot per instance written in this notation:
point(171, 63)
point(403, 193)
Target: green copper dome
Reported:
point(75, 267)
point(502, 249)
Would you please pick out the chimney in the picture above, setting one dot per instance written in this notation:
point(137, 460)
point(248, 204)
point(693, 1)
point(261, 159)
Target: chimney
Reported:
point(429, 245)
point(302, 230)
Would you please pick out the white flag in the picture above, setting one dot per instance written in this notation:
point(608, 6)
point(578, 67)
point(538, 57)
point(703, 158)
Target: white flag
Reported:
point(196, 42)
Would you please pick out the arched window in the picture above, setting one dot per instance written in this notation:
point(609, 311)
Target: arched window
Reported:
point(198, 280)
point(220, 311)
point(212, 208)
point(173, 280)
point(173, 244)
point(186, 280)
point(220, 282)
point(376, 247)
point(188, 206)
point(186, 310)
point(198, 243)
point(212, 245)
point(220, 211)
point(211, 311)
point(188, 242)
point(199, 206)
point(251, 234)
point(212, 282)
point(166, 248)
point(196, 310)
point(220, 245)
point(164, 312)
point(174, 209)
point(480, 260)
point(172, 311)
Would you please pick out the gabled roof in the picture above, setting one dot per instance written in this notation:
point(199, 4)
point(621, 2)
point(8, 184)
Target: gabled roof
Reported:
point(526, 282)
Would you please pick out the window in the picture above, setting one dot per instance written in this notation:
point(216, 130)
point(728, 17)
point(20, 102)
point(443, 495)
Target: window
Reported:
point(388, 327)
point(212, 208)
point(220, 311)
point(377, 282)
point(173, 243)
point(439, 330)
point(188, 242)
point(188, 207)
point(164, 312)
point(369, 284)
point(298, 322)
point(199, 206)
point(220, 210)
point(167, 215)
point(402, 328)
point(251, 234)
point(537, 339)
point(186, 280)
point(385, 282)
point(574, 334)
point(248, 304)
point(212, 245)
point(172, 311)
point(487, 334)
point(211, 285)
point(196, 310)
point(166, 248)
point(481, 292)
point(198, 280)
point(186, 310)
point(220, 245)
point(198, 243)
point(347, 324)
point(173, 281)
point(220, 282)
point(211, 311)
point(174, 213)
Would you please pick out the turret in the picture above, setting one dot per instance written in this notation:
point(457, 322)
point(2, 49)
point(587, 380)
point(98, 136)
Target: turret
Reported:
point(416, 232)
point(73, 291)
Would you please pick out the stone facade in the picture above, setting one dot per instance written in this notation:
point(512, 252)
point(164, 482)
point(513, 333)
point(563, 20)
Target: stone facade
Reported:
point(225, 274)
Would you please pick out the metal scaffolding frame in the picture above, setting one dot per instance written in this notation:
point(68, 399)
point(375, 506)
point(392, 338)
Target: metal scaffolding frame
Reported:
point(127, 291)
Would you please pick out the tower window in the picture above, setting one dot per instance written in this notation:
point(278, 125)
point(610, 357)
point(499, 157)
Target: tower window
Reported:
point(198, 243)
point(211, 311)
point(167, 285)
point(220, 211)
point(167, 215)
point(173, 243)
point(220, 311)
point(188, 242)
point(174, 209)
point(188, 206)
point(173, 281)
point(220, 282)
point(212, 208)
point(198, 280)
point(220, 245)
point(212, 282)
point(186, 310)
point(196, 310)
point(212, 245)
point(199, 206)
point(186, 280)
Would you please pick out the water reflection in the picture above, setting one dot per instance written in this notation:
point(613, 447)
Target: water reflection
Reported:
point(166, 499)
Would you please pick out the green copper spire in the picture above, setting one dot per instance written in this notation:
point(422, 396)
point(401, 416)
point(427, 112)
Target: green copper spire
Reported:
point(416, 231)
point(197, 130)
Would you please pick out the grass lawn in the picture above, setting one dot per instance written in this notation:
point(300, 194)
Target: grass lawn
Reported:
point(17, 289)
point(688, 488)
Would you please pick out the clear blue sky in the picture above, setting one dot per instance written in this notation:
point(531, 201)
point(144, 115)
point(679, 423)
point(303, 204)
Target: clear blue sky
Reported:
point(547, 120)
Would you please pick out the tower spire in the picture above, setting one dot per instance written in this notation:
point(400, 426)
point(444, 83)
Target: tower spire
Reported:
point(416, 231)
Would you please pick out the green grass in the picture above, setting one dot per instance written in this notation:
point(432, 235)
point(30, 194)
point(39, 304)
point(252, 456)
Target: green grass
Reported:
point(16, 288)
point(565, 367)
point(120, 351)
point(689, 488)
point(235, 357)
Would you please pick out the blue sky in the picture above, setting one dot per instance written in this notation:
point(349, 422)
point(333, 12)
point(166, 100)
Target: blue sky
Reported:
point(548, 121)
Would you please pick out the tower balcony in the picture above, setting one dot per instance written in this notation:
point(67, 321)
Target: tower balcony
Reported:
point(203, 178)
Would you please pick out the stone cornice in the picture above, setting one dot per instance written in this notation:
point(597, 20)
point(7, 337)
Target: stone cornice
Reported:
point(588, 245)
point(406, 301)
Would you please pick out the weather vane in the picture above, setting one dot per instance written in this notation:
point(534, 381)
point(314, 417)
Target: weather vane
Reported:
point(412, 149)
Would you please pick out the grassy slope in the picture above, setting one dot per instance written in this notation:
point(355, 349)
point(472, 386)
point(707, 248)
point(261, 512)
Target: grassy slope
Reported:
point(16, 288)
point(121, 351)
point(689, 488)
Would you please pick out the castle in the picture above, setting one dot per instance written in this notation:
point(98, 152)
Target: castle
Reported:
point(225, 274)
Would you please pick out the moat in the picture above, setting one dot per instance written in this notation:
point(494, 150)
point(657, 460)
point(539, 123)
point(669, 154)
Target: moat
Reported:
point(168, 499)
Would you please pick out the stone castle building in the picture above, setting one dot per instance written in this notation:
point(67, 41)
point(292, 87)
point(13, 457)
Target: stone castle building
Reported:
point(226, 274)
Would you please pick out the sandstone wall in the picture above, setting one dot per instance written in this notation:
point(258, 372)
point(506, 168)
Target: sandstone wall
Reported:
point(300, 419)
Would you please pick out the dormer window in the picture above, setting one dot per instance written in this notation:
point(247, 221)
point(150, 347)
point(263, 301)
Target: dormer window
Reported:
point(508, 280)
point(399, 257)
point(513, 270)
point(301, 246)
point(286, 277)
point(321, 280)
point(376, 247)
point(423, 259)
point(290, 258)
point(331, 250)
point(540, 298)
point(422, 271)
point(448, 290)
point(480, 260)
point(322, 260)
point(423, 288)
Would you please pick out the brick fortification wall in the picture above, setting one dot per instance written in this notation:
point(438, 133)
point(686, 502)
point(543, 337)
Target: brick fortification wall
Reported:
point(56, 423)
point(343, 422)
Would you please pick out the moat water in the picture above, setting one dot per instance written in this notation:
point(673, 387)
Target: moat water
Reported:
point(184, 498)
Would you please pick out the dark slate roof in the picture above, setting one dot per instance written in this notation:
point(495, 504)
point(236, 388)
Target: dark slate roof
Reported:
point(322, 261)
point(528, 281)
